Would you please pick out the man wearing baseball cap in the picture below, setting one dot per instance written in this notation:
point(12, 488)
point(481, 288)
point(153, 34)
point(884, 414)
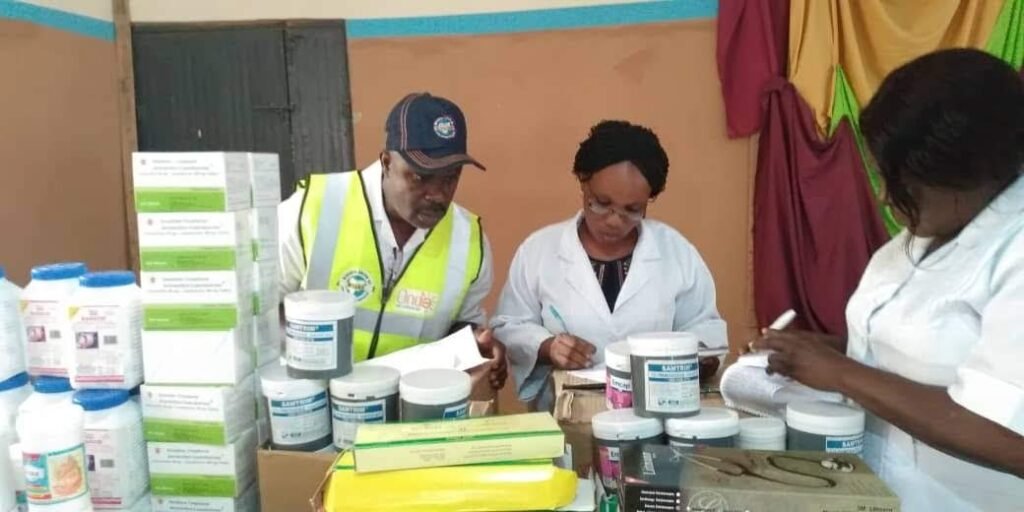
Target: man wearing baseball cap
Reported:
point(418, 264)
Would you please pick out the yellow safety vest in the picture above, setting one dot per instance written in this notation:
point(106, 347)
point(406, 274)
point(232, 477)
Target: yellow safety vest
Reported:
point(340, 246)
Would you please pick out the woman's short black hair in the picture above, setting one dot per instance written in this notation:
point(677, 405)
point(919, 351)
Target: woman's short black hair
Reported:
point(612, 142)
point(951, 119)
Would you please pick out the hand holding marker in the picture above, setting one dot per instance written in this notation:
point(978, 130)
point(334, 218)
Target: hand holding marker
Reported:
point(779, 324)
point(567, 351)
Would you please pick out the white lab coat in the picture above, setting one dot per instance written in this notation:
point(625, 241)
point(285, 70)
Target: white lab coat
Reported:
point(668, 288)
point(952, 320)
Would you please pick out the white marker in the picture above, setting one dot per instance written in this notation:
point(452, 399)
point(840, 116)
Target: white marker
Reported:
point(783, 320)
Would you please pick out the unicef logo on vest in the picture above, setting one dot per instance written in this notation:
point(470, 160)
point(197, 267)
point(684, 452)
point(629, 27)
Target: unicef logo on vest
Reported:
point(356, 283)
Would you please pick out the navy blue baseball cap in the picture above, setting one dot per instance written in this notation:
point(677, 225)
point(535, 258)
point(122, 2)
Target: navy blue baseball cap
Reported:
point(430, 133)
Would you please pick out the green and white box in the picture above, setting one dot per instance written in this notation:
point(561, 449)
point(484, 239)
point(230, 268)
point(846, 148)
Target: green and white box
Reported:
point(214, 415)
point(247, 502)
point(192, 182)
point(267, 337)
point(265, 176)
point(264, 233)
point(187, 469)
point(200, 357)
point(266, 292)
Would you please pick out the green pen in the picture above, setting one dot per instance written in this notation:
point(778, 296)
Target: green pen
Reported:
point(554, 313)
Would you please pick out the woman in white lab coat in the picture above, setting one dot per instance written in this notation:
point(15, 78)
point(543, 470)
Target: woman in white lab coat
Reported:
point(936, 329)
point(577, 286)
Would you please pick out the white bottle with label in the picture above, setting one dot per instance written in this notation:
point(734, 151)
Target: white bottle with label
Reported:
point(106, 321)
point(13, 392)
point(53, 457)
point(18, 477)
point(114, 448)
point(8, 491)
point(44, 314)
point(12, 334)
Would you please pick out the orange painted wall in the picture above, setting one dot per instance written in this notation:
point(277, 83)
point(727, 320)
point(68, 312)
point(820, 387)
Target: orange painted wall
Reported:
point(62, 192)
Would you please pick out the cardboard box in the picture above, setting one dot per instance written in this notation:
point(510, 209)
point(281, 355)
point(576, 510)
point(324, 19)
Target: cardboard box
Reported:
point(267, 340)
point(574, 410)
point(191, 182)
point(192, 230)
point(294, 480)
point(264, 233)
point(658, 478)
point(188, 469)
point(247, 502)
point(200, 357)
point(385, 447)
point(214, 415)
point(265, 176)
point(266, 292)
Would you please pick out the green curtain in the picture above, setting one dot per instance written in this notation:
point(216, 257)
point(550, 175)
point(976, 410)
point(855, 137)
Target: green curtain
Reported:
point(845, 106)
point(1007, 38)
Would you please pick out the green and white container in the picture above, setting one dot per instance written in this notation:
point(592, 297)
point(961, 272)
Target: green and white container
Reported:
point(434, 394)
point(824, 427)
point(367, 395)
point(216, 471)
point(666, 374)
point(300, 419)
point(198, 414)
point(191, 182)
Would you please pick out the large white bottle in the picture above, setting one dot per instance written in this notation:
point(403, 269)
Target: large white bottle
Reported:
point(12, 334)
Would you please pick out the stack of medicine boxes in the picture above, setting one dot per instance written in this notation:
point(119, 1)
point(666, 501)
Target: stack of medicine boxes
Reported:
point(199, 279)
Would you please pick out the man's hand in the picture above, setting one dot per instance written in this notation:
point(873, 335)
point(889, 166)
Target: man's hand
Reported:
point(567, 352)
point(493, 349)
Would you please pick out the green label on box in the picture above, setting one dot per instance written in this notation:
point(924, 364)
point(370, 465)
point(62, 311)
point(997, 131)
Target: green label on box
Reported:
point(180, 200)
point(207, 486)
point(188, 259)
point(183, 431)
point(255, 250)
point(190, 317)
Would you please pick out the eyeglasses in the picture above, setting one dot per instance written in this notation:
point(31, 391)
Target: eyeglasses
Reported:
point(595, 207)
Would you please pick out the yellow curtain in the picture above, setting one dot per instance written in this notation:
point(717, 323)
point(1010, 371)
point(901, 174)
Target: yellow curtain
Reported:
point(870, 38)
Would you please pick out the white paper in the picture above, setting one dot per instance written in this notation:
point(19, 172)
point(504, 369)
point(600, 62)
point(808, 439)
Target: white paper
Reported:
point(595, 373)
point(746, 386)
point(458, 350)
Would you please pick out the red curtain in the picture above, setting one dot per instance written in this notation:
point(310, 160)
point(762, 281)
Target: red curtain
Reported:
point(816, 222)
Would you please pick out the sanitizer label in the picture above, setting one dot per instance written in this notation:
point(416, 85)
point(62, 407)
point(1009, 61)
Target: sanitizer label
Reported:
point(619, 391)
point(845, 444)
point(349, 415)
point(456, 412)
point(103, 336)
point(300, 421)
point(671, 386)
point(116, 461)
point(608, 465)
point(311, 345)
point(55, 477)
point(46, 332)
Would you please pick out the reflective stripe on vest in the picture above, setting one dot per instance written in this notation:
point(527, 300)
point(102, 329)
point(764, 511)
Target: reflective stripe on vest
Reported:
point(429, 293)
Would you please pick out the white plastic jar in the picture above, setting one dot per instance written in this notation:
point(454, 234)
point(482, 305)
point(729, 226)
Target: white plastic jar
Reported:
point(318, 333)
point(618, 389)
point(13, 392)
point(762, 434)
point(8, 490)
point(665, 373)
point(300, 419)
point(367, 395)
point(12, 334)
point(616, 430)
point(47, 392)
point(434, 394)
point(115, 449)
point(106, 321)
point(824, 427)
point(18, 474)
point(53, 456)
point(714, 426)
point(44, 314)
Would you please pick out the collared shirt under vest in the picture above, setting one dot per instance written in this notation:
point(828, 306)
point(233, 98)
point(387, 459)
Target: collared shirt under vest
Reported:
point(421, 302)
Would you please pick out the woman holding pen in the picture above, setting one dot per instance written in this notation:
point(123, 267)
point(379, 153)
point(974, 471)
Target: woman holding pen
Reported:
point(935, 350)
point(608, 272)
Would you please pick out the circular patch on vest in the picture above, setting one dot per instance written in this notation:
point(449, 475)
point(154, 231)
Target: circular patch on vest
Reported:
point(356, 283)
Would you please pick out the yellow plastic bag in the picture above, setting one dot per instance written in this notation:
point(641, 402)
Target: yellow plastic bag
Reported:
point(526, 485)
